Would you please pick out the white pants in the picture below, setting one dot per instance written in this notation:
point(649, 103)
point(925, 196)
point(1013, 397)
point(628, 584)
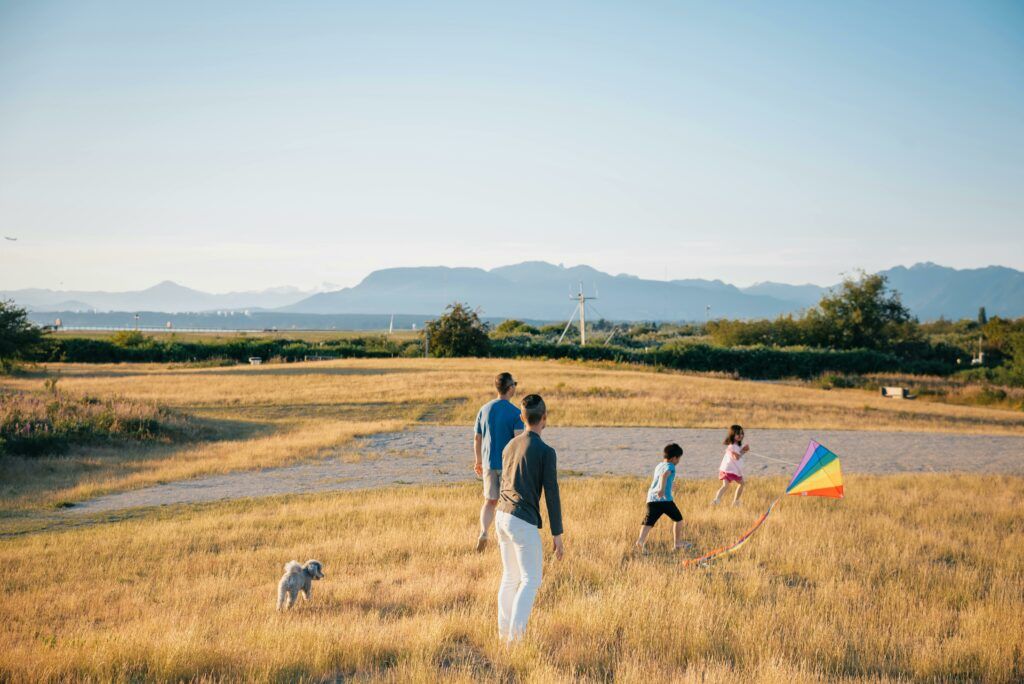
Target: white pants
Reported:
point(522, 559)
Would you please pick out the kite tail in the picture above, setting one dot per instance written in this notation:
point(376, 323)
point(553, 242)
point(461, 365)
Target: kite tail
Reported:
point(740, 542)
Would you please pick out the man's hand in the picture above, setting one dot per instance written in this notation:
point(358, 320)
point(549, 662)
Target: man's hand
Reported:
point(559, 547)
point(478, 454)
point(661, 493)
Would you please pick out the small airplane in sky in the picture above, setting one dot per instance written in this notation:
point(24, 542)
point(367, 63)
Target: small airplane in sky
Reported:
point(10, 238)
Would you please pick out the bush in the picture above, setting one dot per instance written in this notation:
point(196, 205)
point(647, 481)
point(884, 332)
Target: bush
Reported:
point(749, 362)
point(515, 327)
point(459, 332)
point(83, 350)
point(863, 314)
point(129, 338)
point(20, 340)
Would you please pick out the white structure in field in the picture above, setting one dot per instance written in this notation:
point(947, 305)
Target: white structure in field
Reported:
point(581, 307)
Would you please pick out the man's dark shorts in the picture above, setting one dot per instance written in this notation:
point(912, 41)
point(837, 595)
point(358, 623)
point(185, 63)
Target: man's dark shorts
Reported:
point(656, 509)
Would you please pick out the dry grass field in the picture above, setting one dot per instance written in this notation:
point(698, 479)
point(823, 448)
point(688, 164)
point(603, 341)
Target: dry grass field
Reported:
point(911, 577)
point(260, 416)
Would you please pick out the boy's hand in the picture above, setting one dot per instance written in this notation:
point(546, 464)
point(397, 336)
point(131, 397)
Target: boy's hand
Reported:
point(661, 493)
point(478, 468)
point(559, 547)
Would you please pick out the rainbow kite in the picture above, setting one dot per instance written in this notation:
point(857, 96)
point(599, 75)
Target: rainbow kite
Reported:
point(818, 474)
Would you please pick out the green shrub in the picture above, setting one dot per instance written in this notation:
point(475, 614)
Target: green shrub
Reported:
point(83, 350)
point(748, 362)
point(512, 326)
point(459, 332)
point(129, 338)
point(20, 339)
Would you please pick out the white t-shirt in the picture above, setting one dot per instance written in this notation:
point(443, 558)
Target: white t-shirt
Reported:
point(730, 464)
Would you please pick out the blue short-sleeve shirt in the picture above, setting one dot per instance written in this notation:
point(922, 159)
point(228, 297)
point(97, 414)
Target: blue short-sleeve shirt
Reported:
point(659, 470)
point(497, 423)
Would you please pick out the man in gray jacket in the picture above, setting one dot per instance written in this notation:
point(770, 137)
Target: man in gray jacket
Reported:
point(529, 468)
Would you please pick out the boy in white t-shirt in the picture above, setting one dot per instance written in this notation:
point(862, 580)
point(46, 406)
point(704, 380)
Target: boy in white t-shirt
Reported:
point(731, 469)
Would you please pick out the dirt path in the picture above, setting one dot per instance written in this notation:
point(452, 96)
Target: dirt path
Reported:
point(434, 455)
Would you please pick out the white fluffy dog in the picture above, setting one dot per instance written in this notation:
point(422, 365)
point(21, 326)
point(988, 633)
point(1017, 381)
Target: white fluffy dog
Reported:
point(297, 578)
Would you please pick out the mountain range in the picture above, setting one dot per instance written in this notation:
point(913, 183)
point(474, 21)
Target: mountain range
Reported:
point(542, 291)
point(166, 296)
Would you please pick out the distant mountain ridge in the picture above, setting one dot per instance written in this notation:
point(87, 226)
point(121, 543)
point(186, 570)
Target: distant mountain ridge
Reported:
point(931, 291)
point(538, 290)
point(541, 290)
point(166, 296)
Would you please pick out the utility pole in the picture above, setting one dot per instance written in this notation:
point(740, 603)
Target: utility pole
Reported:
point(581, 306)
point(583, 318)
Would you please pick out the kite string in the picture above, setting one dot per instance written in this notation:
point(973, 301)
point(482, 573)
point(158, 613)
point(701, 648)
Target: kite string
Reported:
point(769, 458)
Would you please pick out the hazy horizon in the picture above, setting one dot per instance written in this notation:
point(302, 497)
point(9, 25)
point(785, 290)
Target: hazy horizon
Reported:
point(236, 147)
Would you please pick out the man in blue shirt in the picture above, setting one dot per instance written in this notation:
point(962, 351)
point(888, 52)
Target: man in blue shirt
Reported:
point(497, 422)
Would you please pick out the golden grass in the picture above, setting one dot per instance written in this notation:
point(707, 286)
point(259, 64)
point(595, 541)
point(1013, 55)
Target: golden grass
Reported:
point(577, 393)
point(271, 415)
point(910, 577)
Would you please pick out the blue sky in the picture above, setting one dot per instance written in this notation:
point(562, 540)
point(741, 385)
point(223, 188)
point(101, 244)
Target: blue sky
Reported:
point(235, 146)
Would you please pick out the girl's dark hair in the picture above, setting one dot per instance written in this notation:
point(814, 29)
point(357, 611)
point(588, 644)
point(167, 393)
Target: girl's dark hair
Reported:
point(733, 431)
point(672, 450)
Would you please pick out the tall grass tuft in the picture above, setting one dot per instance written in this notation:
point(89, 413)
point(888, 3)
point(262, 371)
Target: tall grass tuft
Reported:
point(46, 423)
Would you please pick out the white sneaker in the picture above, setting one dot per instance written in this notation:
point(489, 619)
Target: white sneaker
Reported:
point(715, 502)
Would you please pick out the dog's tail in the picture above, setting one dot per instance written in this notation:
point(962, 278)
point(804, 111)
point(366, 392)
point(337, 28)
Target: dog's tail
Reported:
point(292, 566)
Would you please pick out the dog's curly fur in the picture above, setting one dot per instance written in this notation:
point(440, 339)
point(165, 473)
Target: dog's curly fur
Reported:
point(297, 578)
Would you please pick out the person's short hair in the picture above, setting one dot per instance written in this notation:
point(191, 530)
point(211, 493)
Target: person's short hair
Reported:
point(672, 450)
point(503, 382)
point(534, 408)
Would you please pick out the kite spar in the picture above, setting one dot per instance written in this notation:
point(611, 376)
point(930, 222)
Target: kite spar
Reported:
point(819, 474)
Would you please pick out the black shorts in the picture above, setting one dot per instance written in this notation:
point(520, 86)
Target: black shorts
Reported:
point(656, 509)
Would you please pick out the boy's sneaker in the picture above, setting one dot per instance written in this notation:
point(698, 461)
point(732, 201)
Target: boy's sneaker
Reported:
point(715, 502)
point(735, 503)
